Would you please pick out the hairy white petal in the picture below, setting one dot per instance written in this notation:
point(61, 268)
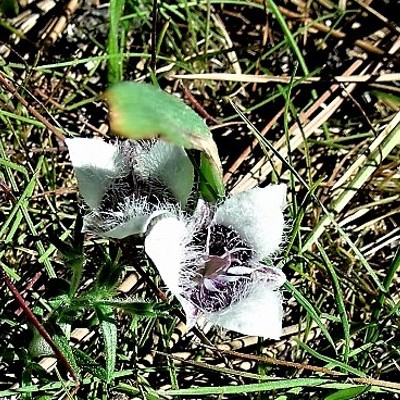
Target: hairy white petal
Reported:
point(170, 164)
point(256, 215)
point(133, 218)
point(258, 314)
point(134, 226)
point(165, 247)
point(272, 276)
point(96, 164)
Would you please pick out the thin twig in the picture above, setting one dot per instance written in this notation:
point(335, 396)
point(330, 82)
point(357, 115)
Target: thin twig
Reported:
point(37, 324)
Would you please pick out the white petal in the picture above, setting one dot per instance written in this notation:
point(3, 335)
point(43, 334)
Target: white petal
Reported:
point(96, 165)
point(191, 312)
point(134, 226)
point(256, 215)
point(170, 164)
point(165, 247)
point(272, 276)
point(259, 314)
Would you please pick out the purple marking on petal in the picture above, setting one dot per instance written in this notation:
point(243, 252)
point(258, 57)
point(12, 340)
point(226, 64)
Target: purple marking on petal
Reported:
point(272, 275)
point(217, 288)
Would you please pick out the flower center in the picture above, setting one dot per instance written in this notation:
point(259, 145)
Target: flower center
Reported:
point(216, 265)
point(218, 283)
point(133, 186)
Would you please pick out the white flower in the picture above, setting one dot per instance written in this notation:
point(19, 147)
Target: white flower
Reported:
point(127, 184)
point(211, 262)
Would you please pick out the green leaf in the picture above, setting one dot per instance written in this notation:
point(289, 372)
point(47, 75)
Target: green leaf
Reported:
point(72, 255)
point(332, 361)
point(247, 388)
point(138, 308)
point(38, 347)
point(142, 111)
point(63, 345)
point(10, 8)
point(90, 365)
point(339, 299)
point(349, 393)
point(311, 311)
point(210, 184)
point(109, 274)
point(109, 331)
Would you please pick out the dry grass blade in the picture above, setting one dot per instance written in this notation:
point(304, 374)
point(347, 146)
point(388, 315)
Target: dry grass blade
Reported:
point(367, 78)
point(347, 188)
point(297, 133)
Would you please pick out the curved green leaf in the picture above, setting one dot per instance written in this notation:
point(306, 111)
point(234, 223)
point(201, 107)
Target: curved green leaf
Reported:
point(348, 393)
point(143, 111)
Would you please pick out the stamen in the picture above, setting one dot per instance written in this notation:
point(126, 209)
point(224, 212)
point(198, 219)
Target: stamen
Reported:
point(216, 287)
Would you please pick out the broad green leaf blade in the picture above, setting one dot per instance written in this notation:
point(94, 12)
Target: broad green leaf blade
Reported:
point(90, 365)
point(142, 111)
point(38, 347)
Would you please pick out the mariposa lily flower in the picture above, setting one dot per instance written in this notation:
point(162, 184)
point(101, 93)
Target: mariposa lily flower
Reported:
point(212, 261)
point(128, 183)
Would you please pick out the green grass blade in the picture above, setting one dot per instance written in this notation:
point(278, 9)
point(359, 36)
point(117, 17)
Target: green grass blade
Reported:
point(289, 36)
point(374, 329)
point(249, 388)
point(310, 311)
point(343, 366)
point(339, 300)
